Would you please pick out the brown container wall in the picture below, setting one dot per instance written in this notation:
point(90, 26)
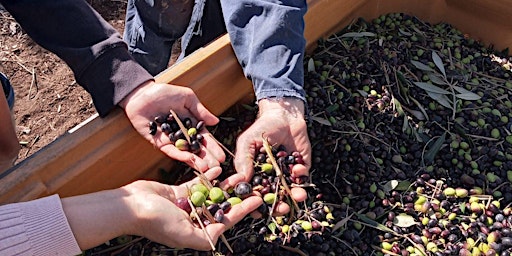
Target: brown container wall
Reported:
point(107, 153)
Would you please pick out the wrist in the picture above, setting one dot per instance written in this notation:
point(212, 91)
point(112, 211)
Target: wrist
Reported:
point(137, 92)
point(98, 217)
point(291, 106)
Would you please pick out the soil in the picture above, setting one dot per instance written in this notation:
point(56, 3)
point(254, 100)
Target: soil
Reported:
point(49, 102)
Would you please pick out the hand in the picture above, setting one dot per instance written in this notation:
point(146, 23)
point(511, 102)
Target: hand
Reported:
point(152, 99)
point(147, 208)
point(282, 123)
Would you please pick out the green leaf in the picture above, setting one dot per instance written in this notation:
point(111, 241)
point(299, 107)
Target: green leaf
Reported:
point(403, 185)
point(439, 62)
point(441, 99)
point(431, 88)
point(272, 226)
point(363, 93)
point(468, 96)
point(398, 106)
point(465, 94)
point(403, 32)
point(321, 120)
point(436, 79)
point(421, 66)
point(432, 152)
point(390, 186)
point(332, 108)
point(425, 116)
point(374, 224)
point(311, 65)
point(227, 118)
point(403, 220)
point(358, 34)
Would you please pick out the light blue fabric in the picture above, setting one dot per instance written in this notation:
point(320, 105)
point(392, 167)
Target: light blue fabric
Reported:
point(266, 35)
point(8, 90)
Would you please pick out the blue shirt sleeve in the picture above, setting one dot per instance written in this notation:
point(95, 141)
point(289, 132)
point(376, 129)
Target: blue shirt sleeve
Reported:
point(268, 39)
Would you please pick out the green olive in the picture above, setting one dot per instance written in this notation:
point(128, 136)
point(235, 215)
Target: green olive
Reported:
point(216, 195)
point(234, 200)
point(269, 198)
point(199, 187)
point(198, 198)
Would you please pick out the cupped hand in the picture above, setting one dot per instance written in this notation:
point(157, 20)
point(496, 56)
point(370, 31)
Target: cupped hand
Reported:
point(160, 220)
point(152, 99)
point(281, 122)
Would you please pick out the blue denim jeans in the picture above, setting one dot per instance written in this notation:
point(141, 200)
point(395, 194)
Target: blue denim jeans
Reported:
point(8, 90)
point(153, 26)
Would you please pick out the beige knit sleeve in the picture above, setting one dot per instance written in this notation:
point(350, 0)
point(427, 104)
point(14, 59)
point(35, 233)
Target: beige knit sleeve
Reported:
point(37, 227)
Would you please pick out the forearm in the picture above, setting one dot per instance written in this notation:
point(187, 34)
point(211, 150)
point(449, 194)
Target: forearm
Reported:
point(98, 217)
point(268, 40)
point(91, 47)
point(9, 145)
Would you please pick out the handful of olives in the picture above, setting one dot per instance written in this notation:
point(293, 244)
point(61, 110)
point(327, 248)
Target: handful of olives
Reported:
point(170, 125)
point(214, 200)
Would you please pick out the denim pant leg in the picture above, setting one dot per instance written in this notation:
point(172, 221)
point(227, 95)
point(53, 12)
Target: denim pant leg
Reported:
point(210, 27)
point(152, 27)
point(8, 90)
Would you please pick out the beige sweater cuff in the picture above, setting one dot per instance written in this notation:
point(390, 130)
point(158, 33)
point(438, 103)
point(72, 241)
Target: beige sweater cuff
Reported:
point(37, 227)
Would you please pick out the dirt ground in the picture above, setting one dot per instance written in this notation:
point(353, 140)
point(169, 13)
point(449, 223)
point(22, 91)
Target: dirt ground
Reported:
point(49, 102)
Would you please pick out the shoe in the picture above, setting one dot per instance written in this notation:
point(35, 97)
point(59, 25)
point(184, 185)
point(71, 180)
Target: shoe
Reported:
point(8, 90)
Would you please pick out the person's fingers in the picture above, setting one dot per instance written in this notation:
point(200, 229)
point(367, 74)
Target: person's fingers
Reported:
point(214, 230)
point(182, 189)
point(231, 181)
point(199, 111)
point(299, 170)
point(299, 194)
point(239, 211)
point(281, 209)
point(189, 158)
point(211, 147)
point(244, 157)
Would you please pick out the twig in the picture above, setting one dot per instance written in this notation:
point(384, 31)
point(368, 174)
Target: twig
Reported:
point(221, 145)
point(278, 171)
point(212, 220)
point(292, 249)
point(182, 127)
point(201, 224)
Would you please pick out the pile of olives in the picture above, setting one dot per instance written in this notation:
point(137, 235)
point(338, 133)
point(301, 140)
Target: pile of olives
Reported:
point(169, 125)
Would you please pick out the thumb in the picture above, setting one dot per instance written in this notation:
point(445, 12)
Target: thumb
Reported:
point(244, 158)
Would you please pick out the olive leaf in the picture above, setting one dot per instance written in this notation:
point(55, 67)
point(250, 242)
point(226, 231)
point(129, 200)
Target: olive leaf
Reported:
point(321, 120)
point(403, 185)
point(272, 227)
point(374, 224)
point(431, 88)
point(466, 94)
point(404, 221)
point(227, 118)
point(332, 108)
point(398, 107)
point(441, 99)
point(421, 66)
point(403, 32)
point(363, 93)
point(422, 109)
point(311, 65)
point(432, 152)
point(390, 186)
point(358, 34)
point(439, 62)
point(436, 79)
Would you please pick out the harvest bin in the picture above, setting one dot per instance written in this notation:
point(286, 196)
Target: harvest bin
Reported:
point(107, 153)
